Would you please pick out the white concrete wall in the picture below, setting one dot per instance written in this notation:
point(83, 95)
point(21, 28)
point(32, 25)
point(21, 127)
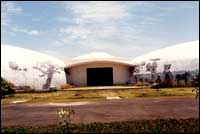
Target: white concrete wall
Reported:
point(78, 74)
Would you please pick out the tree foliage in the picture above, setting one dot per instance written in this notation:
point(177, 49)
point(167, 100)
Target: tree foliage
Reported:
point(6, 88)
point(195, 83)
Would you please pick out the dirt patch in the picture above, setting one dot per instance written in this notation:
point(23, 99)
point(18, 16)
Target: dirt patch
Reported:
point(69, 104)
point(113, 97)
point(101, 111)
point(19, 101)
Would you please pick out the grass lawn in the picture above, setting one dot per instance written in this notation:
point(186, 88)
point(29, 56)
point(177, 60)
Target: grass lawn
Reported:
point(93, 95)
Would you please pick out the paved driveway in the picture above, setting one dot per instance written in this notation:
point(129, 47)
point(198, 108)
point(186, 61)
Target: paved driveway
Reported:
point(104, 111)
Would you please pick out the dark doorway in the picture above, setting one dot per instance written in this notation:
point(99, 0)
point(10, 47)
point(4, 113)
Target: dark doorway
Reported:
point(100, 76)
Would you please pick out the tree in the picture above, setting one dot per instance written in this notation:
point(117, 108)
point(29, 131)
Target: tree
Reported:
point(195, 83)
point(151, 67)
point(6, 88)
point(48, 70)
point(136, 71)
point(168, 77)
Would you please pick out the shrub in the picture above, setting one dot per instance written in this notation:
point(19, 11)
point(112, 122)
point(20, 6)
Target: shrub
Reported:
point(65, 115)
point(180, 84)
point(24, 89)
point(166, 84)
point(138, 126)
point(52, 89)
point(195, 80)
point(66, 86)
point(6, 88)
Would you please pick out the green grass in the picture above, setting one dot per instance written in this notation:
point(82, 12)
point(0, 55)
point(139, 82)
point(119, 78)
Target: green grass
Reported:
point(93, 95)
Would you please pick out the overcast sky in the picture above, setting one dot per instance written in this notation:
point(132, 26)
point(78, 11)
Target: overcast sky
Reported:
point(123, 29)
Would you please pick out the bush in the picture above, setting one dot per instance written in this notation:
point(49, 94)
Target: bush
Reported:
point(65, 116)
point(66, 86)
point(181, 84)
point(24, 89)
point(165, 84)
point(6, 88)
point(195, 80)
point(52, 89)
point(140, 126)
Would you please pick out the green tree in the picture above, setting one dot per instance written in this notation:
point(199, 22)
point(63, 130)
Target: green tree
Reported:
point(195, 83)
point(6, 88)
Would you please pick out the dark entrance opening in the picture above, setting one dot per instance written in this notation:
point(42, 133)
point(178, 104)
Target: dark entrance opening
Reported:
point(100, 76)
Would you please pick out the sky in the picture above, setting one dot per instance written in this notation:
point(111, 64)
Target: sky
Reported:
point(123, 29)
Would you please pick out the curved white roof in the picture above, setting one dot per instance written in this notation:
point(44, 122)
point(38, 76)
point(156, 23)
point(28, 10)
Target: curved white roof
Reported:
point(95, 57)
point(26, 56)
point(24, 59)
point(183, 56)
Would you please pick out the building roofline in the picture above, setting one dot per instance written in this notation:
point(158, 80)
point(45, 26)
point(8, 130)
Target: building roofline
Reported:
point(88, 61)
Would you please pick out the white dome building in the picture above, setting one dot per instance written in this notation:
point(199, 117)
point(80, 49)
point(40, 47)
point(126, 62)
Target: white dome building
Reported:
point(182, 60)
point(97, 68)
point(182, 57)
point(25, 67)
point(29, 68)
